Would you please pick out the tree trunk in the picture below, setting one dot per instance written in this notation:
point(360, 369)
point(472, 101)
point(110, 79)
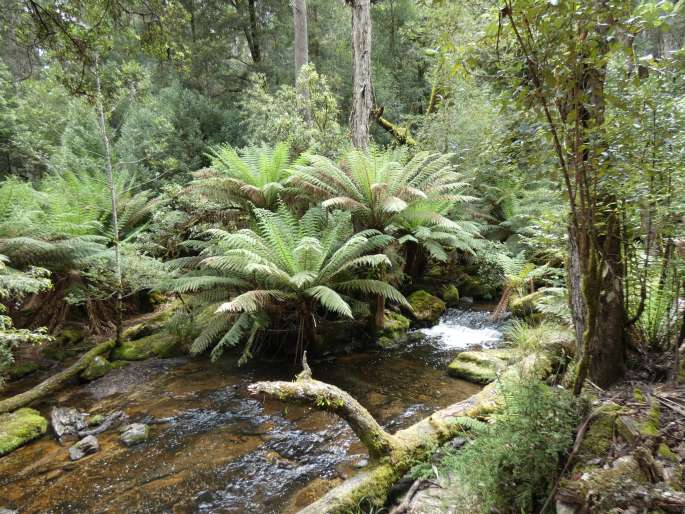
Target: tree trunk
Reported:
point(113, 194)
point(55, 381)
point(361, 73)
point(301, 53)
point(393, 455)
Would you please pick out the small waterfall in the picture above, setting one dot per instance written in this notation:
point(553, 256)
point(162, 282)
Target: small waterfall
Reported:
point(461, 329)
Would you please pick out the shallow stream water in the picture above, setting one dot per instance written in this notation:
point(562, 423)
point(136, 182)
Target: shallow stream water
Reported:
point(215, 449)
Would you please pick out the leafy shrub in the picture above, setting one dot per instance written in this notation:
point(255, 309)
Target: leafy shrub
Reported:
point(511, 464)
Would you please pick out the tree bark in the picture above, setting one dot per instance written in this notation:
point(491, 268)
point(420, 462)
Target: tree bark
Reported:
point(301, 53)
point(394, 454)
point(55, 381)
point(362, 93)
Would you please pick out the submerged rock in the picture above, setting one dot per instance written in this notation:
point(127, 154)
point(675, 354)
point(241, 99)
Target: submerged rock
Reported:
point(480, 367)
point(427, 308)
point(134, 433)
point(67, 422)
point(98, 367)
point(85, 446)
point(19, 427)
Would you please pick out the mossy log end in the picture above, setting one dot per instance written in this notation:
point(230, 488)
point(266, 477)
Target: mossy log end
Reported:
point(55, 381)
point(393, 454)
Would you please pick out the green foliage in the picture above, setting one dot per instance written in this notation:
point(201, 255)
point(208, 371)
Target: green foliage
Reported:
point(254, 176)
point(531, 338)
point(512, 462)
point(290, 269)
point(308, 122)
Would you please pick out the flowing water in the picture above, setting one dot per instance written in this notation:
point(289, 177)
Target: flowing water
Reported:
point(215, 449)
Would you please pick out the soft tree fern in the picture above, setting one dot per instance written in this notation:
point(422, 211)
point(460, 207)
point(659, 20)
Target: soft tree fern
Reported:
point(255, 175)
point(286, 268)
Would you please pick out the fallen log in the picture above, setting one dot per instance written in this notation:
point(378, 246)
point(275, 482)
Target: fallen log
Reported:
point(56, 381)
point(392, 455)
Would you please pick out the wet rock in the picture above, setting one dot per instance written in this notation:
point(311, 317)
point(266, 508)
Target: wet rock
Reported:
point(103, 423)
point(19, 427)
point(480, 367)
point(98, 367)
point(361, 463)
point(427, 308)
point(135, 433)
point(67, 422)
point(85, 446)
point(3, 510)
point(466, 301)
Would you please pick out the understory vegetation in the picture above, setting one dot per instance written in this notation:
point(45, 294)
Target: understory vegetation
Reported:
point(252, 181)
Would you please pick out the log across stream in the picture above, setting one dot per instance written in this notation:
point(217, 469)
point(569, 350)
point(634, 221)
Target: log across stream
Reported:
point(218, 448)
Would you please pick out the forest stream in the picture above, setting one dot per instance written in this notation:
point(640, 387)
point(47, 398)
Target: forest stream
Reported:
point(213, 448)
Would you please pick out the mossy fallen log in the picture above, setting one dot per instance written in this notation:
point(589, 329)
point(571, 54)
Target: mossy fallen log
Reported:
point(397, 452)
point(55, 381)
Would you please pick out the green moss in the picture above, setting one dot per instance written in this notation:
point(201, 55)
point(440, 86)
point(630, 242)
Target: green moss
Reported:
point(21, 369)
point(19, 427)
point(639, 395)
point(471, 286)
point(666, 453)
point(450, 294)
point(471, 372)
point(95, 420)
point(98, 367)
point(650, 426)
point(394, 330)
point(600, 434)
point(120, 364)
point(161, 345)
point(427, 308)
point(71, 336)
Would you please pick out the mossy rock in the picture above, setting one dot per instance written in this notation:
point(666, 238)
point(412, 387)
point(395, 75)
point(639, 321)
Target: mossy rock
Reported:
point(161, 345)
point(21, 369)
point(394, 330)
point(525, 306)
point(97, 368)
point(650, 426)
point(450, 295)
point(599, 435)
point(469, 285)
point(70, 336)
point(480, 367)
point(19, 427)
point(427, 308)
point(666, 453)
point(120, 364)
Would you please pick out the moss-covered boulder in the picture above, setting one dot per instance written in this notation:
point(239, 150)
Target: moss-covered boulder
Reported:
point(19, 427)
point(470, 286)
point(427, 308)
point(394, 330)
point(600, 434)
point(481, 367)
point(525, 306)
point(97, 368)
point(450, 295)
point(21, 369)
point(161, 345)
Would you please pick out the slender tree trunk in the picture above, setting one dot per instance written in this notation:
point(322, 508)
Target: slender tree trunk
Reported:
point(301, 53)
point(115, 221)
point(361, 73)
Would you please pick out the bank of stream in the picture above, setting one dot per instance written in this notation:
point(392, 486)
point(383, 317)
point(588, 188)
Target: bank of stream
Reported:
point(213, 448)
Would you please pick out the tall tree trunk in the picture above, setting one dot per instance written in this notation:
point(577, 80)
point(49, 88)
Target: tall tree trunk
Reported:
point(252, 33)
point(115, 221)
point(301, 53)
point(361, 73)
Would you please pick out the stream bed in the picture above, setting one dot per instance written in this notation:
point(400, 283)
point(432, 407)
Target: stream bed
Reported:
point(215, 449)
